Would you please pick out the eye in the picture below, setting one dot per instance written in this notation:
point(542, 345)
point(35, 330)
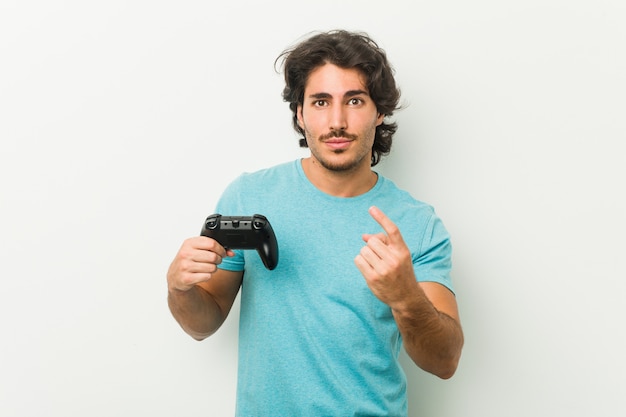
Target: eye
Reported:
point(354, 101)
point(320, 103)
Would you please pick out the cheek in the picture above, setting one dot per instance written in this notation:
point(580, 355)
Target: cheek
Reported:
point(306, 124)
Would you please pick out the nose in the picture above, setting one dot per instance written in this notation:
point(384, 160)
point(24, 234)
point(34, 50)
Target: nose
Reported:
point(338, 120)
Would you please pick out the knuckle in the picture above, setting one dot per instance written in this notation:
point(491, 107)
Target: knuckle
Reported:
point(394, 231)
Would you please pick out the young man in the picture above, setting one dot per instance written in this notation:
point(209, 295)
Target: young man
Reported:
point(364, 267)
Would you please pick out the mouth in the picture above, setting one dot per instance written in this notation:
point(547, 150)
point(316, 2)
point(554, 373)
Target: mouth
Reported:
point(338, 143)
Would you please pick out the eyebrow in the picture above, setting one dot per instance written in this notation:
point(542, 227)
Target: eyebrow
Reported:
point(349, 93)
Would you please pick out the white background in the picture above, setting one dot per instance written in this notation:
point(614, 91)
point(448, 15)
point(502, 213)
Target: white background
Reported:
point(122, 121)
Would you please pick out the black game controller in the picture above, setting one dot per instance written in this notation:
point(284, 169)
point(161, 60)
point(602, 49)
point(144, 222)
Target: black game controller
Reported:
point(244, 232)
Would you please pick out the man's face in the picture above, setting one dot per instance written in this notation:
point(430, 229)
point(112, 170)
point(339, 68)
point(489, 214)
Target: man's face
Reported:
point(339, 118)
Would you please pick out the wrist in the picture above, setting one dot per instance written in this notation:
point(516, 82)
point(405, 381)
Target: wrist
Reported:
point(412, 302)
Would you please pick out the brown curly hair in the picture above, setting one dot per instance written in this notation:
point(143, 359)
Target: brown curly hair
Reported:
point(346, 50)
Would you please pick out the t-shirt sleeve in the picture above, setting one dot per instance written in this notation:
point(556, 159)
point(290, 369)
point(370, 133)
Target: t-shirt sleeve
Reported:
point(433, 262)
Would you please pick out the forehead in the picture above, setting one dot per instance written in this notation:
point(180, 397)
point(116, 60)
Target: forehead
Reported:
point(334, 80)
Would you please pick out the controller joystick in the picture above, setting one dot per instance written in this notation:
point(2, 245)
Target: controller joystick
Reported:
point(244, 232)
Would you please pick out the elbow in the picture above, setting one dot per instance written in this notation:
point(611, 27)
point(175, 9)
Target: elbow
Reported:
point(197, 333)
point(447, 371)
point(448, 366)
point(443, 366)
point(448, 362)
point(199, 336)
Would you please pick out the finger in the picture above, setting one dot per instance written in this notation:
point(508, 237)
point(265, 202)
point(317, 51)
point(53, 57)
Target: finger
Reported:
point(380, 236)
point(363, 265)
point(197, 260)
point(184, 273)
point(200, 250)
point(206, 256)
point(191, 260)
point(371, 255)
point(388, 226)
point(207, 244)
point(370, 263)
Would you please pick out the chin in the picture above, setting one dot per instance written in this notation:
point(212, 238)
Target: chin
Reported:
point(339, 165)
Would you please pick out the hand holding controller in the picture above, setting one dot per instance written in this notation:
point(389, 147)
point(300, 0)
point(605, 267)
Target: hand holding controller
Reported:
point(244, 232)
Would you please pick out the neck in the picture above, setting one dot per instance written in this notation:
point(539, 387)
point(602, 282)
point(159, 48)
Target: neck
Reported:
point(349, 183)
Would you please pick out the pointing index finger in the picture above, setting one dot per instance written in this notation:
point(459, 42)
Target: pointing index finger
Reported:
point(388, 226)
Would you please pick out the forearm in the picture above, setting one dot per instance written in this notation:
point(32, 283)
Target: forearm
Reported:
point(432, 339)
point(196, 311)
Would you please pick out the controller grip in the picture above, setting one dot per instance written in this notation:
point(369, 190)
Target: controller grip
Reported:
point(268, 252)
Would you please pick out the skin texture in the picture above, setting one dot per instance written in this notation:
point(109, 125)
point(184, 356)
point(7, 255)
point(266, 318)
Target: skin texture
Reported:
point(339, 119)
point(426, 313)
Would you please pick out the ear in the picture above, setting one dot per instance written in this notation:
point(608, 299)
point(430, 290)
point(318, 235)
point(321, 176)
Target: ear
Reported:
point(299, 116)
point(379, 119)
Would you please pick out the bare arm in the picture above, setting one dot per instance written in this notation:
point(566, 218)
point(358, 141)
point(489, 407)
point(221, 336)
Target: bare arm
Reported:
point(428, 320)
point(426, 313)
point(200, 295)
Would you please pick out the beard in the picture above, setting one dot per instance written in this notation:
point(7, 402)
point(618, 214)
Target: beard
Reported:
point(340, 164)
point(335, 160)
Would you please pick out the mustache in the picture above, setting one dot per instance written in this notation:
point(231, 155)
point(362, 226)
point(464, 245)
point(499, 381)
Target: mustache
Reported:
point(338, 134)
